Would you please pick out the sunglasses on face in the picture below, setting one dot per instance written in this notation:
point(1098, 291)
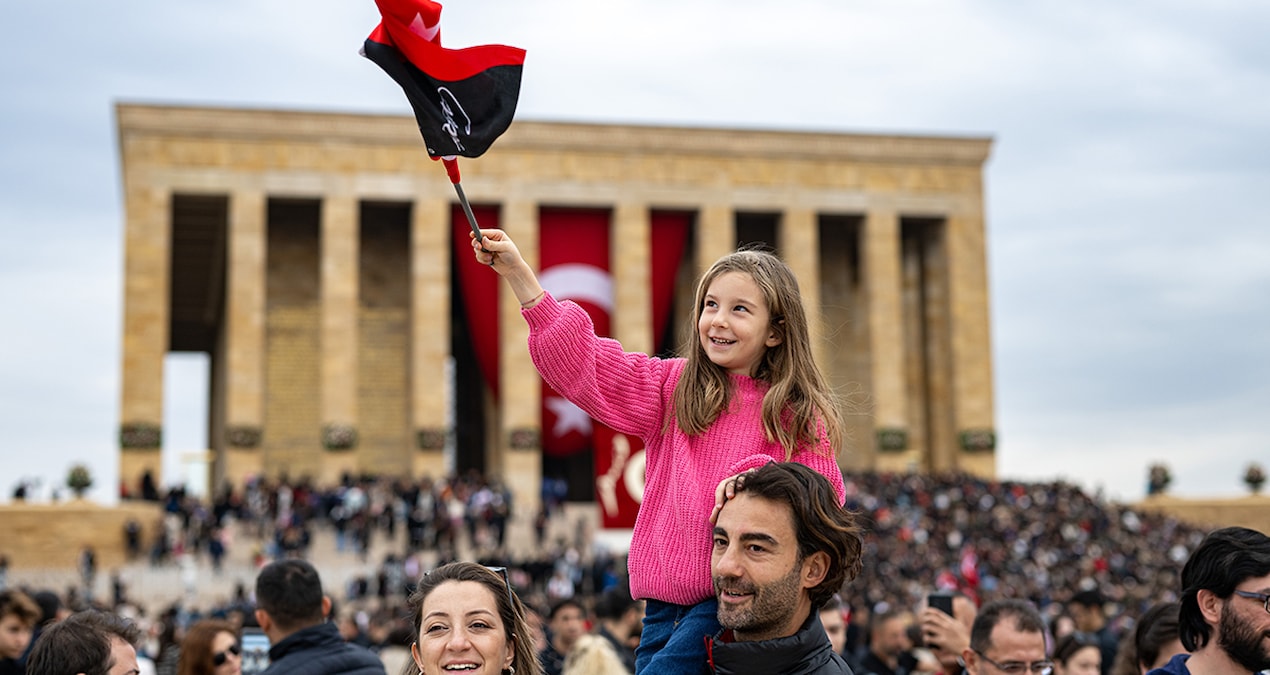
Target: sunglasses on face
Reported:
point(219, 658)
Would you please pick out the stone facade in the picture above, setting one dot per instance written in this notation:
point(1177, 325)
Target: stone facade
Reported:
point(336, 283)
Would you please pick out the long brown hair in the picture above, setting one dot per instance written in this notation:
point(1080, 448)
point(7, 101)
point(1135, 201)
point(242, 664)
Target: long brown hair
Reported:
point(799, 404)
point(196, 648)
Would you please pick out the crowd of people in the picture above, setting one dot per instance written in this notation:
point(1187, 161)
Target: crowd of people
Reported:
point(1092, 568)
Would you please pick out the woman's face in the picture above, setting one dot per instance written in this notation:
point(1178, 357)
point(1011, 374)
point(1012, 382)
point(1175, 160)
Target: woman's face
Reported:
point(1086, 661)
point(221, 644)
point(461, 628)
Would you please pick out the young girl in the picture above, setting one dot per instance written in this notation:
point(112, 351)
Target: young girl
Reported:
point(747, 393)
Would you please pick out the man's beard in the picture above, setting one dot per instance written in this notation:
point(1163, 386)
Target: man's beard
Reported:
point(770, 607)
point(1242, 643)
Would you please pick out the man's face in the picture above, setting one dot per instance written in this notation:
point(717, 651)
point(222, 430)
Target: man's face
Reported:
point(1008, 646)
point(890, 638)
point(758, 577)
point(1244, 630)
point(1081, 615)
point(567, 626)
point(835, 628)
point(14, 636)
point(123, 658)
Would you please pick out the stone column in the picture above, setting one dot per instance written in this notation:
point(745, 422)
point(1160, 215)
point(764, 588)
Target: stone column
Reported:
point(430, 295)
point(245, 318)
point(518, 445)
point(631, 260)
point(972, 387)
point(147, 252)
point(340, 239)
point(882, 290)
point(716, 236)
point(800, 247)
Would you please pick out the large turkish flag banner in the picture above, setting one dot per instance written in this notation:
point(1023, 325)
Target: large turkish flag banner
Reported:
point(619, 458)
point(573, 265)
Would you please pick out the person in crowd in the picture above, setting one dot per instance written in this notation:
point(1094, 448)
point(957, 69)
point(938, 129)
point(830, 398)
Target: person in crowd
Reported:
point(566, 622)
point(1088, 611)
point(292, 611)
point(1224, 616)
point(392, 643)
point(90, 642)
point(167, 652)
point(1155, 637)
point(467, 619)
point(948, 637)
point(593, 655)
point(889, 651)
point(18, 617)
point(618, 617)
point(833, 618)
point(1007, 638)
point(783, 545)
point(747, 392)
point(1077, 654)
point(210, 647)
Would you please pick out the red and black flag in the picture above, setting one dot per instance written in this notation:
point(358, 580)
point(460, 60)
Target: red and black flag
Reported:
point(463, 99)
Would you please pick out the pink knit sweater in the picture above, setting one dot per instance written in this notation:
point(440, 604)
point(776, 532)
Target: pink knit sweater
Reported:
point(631, 392)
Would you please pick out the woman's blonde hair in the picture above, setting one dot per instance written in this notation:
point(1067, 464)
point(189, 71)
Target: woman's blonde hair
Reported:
point(593, 655)
point(799, 404)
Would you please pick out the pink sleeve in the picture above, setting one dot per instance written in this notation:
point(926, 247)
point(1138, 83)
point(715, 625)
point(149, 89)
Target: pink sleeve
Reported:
point(621, 389)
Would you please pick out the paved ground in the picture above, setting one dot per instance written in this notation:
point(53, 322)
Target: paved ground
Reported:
point(194, 580)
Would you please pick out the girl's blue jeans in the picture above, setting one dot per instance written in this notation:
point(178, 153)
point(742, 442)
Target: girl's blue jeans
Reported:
point(673, 641)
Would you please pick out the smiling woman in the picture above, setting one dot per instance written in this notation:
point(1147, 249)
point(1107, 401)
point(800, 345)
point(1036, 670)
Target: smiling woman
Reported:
point(468, 619)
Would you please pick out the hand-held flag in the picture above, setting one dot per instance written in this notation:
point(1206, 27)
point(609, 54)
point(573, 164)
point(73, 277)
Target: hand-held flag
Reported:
point(463, 99)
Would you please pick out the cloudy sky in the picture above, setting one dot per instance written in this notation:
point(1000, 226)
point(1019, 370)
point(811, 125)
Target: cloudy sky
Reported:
point(1127, 189)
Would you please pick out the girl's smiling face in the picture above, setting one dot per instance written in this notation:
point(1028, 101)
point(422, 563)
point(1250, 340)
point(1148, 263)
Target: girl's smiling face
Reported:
point(461, 631)
point(735, 325)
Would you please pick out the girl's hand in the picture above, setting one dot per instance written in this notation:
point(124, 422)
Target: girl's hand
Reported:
point(497, 250)
point(726, 490)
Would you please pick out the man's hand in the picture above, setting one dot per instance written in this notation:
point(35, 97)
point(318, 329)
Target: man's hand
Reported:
point(944, 633)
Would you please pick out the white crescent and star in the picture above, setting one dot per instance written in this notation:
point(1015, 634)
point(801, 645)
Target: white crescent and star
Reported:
point(579, 282)
point(423, 30)
point(569, 417)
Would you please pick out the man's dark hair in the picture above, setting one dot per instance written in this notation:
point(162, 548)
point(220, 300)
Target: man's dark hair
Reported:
point(878, 619)
point(1222, 561)
point(20, 605)
point(290, 591)
point(561, 604)
point(80, 644)
point(820, 522)
point(615, 602)
point(1090, 599)
point(1026, 620)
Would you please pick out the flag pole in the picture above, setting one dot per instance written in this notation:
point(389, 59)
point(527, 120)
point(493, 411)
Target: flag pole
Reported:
point(452, 168)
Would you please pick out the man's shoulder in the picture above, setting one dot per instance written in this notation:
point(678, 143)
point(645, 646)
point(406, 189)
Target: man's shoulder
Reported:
point(327, 659)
